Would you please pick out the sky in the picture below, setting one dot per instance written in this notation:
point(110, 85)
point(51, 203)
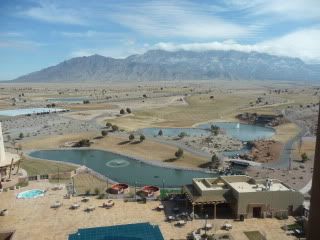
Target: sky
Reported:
point(35, 34)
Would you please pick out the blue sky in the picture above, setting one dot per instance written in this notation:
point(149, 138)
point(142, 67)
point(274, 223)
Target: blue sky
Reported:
point(35, 34)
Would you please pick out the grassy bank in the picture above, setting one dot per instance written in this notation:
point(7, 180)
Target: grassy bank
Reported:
point(39, 167)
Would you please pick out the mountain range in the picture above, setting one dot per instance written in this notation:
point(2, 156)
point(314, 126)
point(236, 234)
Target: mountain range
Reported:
point(155, 65)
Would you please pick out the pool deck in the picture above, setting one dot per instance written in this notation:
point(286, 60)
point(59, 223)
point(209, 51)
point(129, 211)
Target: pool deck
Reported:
point(34, 219)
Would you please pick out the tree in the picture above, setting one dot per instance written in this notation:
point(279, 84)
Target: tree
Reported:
point(215, 160)
point(131, 137)
point(115, 128)
point(215, 129)
point(108, 125)
point(160, 133)
point(122, 111)
point(142, 138)
point(104, 133)
point(21, 135)
point(128, 110)
point(86, 101)
point(182, 135)
point(179, 153)
point(304, 157)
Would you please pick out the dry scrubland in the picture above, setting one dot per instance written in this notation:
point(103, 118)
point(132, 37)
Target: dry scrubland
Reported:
point(163, 104)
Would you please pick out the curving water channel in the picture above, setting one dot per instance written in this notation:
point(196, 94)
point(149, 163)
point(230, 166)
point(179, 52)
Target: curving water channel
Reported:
point(122, 168)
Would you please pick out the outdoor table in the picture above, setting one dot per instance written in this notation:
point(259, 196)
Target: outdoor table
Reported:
point(171, 218)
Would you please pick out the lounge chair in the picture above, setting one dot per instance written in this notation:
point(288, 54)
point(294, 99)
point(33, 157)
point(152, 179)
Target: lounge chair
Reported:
point(75, 206)
point(90, 208)
point(108, 204)
point(57, 204)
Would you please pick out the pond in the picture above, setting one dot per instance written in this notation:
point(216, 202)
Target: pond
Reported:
point(25, 111)
point(122, 168)
point(174, 132)
point(242, 132)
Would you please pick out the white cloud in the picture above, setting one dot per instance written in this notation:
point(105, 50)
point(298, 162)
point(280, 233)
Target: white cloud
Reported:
point(86, 34)
point(282, 9)
point(302, 44)
point(51, 13)
point(11, 34)
point(115, 52)
point(177, 19)
point(20, 44)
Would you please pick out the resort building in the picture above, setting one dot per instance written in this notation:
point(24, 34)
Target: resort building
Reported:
point(8, 161)
point(245, 197)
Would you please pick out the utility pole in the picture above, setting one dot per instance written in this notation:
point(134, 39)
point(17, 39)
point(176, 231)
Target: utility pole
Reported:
point(314, 215)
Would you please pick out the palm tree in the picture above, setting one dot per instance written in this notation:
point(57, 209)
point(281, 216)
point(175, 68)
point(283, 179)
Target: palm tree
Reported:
point(122, 111)
point(160, 133)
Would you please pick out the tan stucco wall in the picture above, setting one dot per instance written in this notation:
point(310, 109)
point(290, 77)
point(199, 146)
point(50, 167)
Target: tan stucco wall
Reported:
point(272, 200)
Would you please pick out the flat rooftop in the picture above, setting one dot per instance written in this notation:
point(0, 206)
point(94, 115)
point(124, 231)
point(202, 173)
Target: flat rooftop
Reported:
point(247, 187)
point(207, 184)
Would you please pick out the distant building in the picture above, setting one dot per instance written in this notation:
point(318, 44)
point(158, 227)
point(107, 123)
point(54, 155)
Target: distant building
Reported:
point(244, 196)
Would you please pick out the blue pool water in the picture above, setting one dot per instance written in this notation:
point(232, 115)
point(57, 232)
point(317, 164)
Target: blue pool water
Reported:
point(136, 231)
point(34, 193)
point(123, 169)
point(242, 132)
point(25, 111)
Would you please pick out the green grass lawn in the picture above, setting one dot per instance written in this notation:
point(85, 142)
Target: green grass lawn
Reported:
point(254, 235)
point(40, 167)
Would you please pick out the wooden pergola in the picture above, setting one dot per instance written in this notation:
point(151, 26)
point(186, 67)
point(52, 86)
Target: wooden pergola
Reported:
point(199, 201)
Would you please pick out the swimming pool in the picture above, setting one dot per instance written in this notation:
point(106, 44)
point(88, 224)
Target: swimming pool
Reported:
point(25, 111)
point(122, 168)
point(34, 193)
point(135, 231)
